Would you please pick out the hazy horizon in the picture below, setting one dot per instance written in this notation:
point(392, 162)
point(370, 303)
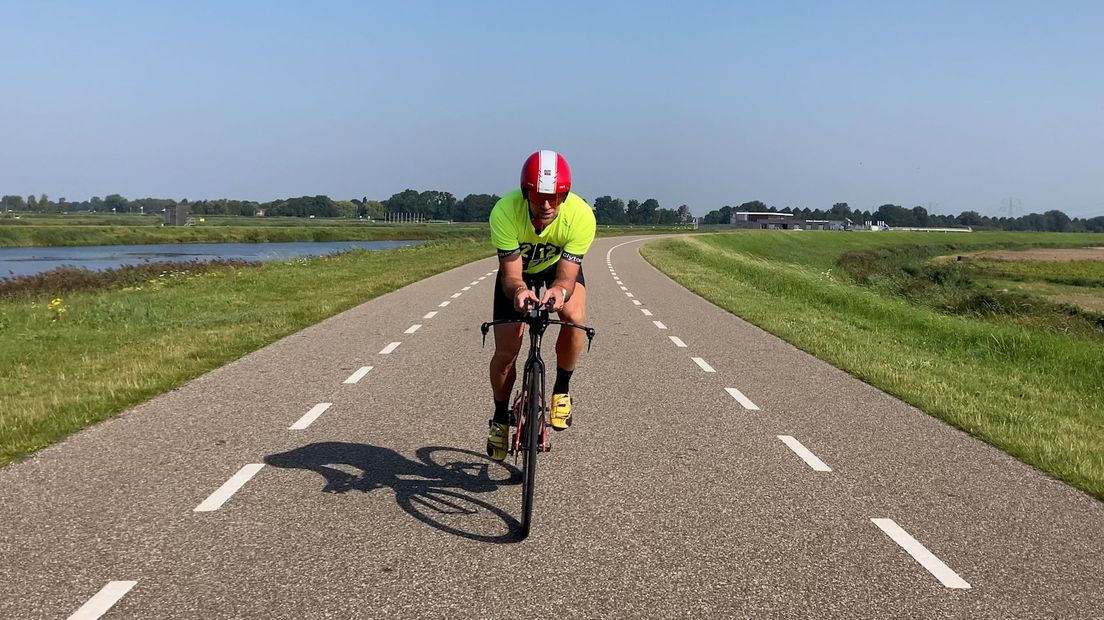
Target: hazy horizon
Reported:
point(947, 106)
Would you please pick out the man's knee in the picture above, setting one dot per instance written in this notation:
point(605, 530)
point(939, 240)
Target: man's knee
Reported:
point(575, 308)
point(506, 350)
point(502, 359)
point(576, 313)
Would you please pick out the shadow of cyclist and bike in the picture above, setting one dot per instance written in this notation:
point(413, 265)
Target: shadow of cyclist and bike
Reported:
point(438, 488)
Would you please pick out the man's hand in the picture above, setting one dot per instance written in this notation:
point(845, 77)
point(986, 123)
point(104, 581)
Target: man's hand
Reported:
point(557, 295)
point(522, 298)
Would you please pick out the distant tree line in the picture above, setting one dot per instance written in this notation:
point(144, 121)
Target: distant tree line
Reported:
point(427, 205)
point(438, 205)
point(609, 210)
point(115, 202)
point(896, 215)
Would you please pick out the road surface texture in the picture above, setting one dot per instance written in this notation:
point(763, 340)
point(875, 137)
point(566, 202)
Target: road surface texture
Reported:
point(712, 471)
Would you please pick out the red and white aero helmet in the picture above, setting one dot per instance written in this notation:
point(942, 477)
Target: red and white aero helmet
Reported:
point(546, 172)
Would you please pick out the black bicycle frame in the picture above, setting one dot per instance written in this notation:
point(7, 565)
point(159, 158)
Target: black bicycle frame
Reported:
point(534, 428)
point(538, 320)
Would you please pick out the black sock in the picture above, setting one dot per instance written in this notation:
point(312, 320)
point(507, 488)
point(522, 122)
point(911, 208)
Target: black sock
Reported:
point(563, 378)
point(502, 411)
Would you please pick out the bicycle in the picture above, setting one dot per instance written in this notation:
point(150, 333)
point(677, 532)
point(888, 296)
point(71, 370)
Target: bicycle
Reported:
point(529, 413)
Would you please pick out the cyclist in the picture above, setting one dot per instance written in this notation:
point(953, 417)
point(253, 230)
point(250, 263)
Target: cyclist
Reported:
point(541, 232)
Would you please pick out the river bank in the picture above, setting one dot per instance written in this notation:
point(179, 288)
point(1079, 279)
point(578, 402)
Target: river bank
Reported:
point(23, 262)
point(70, 361)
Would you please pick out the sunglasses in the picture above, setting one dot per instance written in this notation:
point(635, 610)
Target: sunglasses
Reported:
point(540, 199)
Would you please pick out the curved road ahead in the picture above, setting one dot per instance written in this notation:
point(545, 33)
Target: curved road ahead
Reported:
point(712, 471)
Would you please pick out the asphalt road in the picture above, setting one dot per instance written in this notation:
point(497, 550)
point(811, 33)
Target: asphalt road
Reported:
point(773, 486)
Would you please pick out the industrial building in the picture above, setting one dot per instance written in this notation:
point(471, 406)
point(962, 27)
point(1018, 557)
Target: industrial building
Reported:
point(768, 220)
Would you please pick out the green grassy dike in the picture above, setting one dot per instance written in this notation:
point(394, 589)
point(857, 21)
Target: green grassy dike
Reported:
point(1037, 394)
point(59, 235)
point(70, 363)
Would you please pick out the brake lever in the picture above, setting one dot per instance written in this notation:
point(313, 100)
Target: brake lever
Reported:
point(484, 328)
point(590, 337)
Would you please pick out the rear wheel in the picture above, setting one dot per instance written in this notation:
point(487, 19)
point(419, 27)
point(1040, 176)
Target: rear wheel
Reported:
point(531, 429)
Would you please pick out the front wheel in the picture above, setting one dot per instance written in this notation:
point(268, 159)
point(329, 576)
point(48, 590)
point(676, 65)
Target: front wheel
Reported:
point(533, 405)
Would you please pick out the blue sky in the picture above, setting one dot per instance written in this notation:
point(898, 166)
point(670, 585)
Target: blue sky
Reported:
point(951, 105)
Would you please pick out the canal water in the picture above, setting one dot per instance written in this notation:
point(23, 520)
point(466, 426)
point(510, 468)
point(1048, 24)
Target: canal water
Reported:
point(29, 261)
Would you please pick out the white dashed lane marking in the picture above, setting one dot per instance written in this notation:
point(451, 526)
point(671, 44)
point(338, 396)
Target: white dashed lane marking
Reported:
point(455, 295)
point(678, 341)
point(389, 348)
point(358, 375)
point(810, 459)
point(637, 302)
point(430, 315)
point(704, 366)
point(646, 311)
point(474, 283)
point(920, 553)
point(310, 416)
point(443, 304)
point(412, 329)
point(743, 400)
point(624, 288)
point(466, 288)
point(629, 294)
point(104, 600)
point(659, 324)
point(231, 486)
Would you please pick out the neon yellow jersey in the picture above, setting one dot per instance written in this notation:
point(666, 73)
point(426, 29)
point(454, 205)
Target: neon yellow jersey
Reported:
point(568, 236)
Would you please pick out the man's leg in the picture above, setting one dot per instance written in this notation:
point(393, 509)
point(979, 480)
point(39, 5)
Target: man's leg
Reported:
point(569, 344)
point(503, 372)
point(503, 369)
point(507, 344)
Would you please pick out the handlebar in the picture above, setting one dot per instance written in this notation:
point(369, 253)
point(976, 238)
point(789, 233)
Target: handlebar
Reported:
point(538, 317)
point(534, 307)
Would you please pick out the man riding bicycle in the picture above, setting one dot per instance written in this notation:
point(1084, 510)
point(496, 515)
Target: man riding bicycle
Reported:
point(541, 232)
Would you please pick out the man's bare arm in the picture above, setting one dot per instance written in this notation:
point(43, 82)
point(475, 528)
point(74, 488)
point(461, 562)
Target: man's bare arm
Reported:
point(513, 286)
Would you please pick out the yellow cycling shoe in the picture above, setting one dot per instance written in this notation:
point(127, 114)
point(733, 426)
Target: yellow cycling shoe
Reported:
point(498, 441)
point(561, 411)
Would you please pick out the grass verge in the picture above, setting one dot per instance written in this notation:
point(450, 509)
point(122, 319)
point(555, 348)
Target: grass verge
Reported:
point(1037, 394)
point(69, 362)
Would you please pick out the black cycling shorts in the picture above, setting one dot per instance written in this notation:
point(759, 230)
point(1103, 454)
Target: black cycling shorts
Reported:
point(504, 306)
